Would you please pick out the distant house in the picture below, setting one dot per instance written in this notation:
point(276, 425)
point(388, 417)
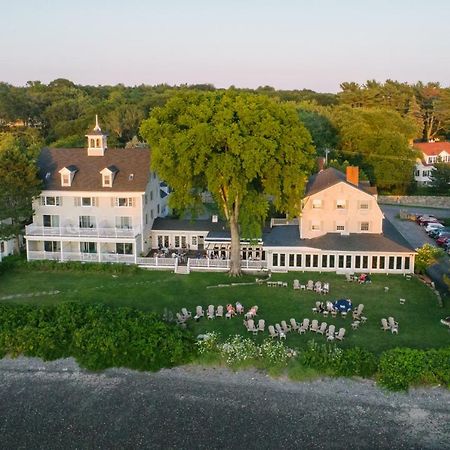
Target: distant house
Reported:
point(432, 152)
point(98, 203)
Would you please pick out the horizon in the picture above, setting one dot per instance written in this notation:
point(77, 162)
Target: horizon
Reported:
point(289, 46)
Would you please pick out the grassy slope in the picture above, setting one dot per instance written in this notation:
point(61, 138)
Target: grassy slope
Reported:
point(418, 318)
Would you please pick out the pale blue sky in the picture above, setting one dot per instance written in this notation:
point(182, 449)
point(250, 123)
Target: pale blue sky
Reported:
point(315, 44)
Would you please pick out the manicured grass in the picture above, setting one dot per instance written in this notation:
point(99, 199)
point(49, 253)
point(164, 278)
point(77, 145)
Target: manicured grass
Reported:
point(156, 291)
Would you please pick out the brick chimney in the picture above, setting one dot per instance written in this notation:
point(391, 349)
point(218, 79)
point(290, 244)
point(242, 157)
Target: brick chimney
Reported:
point(352, 174)
point(320, 163)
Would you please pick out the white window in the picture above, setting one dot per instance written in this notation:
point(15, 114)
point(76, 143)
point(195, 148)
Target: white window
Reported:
point(51, 201)
point(86, 201)
point(340, 227)
point(364, 226)
point(315, 226)
point(124, 248)
point(364, 205)
point(49, 220)
point(124, 222)
point(52, 246)
point(106, 180)
point(340, 204)
point(125, 201)
point(317, 204)
point(88, 247)
point(87, 221)
point(194, 240)
point(65, 179)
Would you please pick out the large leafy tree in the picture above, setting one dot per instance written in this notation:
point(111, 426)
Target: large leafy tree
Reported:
point(440, 178)
point(241, 147)
point(377, 141)
point(19, 182)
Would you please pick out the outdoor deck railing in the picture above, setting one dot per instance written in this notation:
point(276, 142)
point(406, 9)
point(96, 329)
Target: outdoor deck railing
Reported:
point(86, 257)
point(70, 231)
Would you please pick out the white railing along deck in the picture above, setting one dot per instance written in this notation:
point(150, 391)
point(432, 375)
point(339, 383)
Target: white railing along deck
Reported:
point(87, 257)
point(157, 262)
point(68, 231)
point(206, 263)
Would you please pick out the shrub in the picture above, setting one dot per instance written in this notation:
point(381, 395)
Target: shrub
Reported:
point(322, 357)
point(273, 352)
point(96, 335)
point(401, 367)
point(237, 349)
point(356, 362)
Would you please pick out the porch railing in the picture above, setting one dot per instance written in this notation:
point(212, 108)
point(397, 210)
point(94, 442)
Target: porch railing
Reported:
point(69, 231)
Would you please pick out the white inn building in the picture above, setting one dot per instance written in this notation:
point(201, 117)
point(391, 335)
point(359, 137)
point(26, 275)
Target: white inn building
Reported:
point(98, 204)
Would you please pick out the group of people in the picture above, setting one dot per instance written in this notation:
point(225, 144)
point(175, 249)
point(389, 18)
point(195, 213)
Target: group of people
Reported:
point(232, 311)
point(364, 278)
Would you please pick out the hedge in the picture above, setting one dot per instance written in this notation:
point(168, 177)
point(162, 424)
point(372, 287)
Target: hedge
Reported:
point(97, 336)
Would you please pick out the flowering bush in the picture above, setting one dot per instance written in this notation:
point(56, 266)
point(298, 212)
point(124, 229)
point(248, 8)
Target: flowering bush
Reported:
point(237, 349)
point(273, 352)
point(208, 344)
point(320, 356)
point(426, 256)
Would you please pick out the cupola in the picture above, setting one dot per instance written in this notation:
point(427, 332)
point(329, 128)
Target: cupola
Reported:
point(96, 140)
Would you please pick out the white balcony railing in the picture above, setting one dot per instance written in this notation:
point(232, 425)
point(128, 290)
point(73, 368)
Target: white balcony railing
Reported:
point(158, 262)
point(206, 263)
point(70, 231)
point(87, 257)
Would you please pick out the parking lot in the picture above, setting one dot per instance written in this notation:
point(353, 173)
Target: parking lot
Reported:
point(417, 236)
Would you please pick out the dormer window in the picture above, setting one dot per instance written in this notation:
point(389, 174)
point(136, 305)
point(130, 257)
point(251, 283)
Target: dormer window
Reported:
point(108, 174)
point(67, 174)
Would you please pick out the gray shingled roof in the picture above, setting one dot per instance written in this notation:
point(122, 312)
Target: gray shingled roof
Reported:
point(163, 224)
point(390, 241)
point(87, 177)
point(331, 176)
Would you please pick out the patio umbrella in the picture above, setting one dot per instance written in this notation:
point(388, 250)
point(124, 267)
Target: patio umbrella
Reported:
point(343, 305)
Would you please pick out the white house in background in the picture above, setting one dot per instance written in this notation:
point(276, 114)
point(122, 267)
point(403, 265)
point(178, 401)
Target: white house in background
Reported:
point(98, 203)
point(432, 152)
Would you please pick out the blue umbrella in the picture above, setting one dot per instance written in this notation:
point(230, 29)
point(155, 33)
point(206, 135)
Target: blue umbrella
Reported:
point(343, 305)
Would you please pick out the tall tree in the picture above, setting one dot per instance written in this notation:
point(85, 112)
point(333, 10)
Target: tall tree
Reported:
point(243, 148)
point(19, 182)
point(377, 141)
point(440, 178)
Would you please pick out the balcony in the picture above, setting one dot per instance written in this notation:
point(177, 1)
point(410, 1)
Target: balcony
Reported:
point(71, 231)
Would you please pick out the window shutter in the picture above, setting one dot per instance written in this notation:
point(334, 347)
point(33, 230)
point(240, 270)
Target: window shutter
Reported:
point(58, 201)
point(113, 201)
point(42, 201)
point(77, 201)
point(94, 201)
point(133, 202)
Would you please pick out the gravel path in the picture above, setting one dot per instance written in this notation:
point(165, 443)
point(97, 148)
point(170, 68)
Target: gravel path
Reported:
point(57, 405)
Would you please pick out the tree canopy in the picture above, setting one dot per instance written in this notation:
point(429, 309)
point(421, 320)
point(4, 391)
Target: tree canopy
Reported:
point(241, 147)
point(19, 182)
point(377, 140)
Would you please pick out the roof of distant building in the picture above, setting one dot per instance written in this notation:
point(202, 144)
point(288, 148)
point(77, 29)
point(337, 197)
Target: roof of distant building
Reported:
point(331, 176)
point(134, 161)
point(432, 148)
point(165, 224)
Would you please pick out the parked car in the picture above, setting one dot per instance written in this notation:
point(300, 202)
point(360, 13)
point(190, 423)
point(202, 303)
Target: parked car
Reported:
point(419, 219)
point(425, 222)
point(438, 231)
point(433, 226)
point(441, 240)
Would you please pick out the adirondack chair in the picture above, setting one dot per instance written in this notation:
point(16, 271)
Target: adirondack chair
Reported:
point(294, 324)
point(185, 312)
point(331, 332)
point(261, 325)
point(251, 326)
point(199, 313)
point(304, 327)
point(314, 325)
point(393, 325)
point(310, 285)
point(357, 312)
point(286, 328)
point(272, 332)
point(340, 334)
point(322, 329)
point(219, 311)
point(296, 284)
point(210, 313)
point(384, 325)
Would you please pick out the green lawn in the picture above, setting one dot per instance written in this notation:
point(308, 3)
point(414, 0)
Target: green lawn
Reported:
point(154, 291)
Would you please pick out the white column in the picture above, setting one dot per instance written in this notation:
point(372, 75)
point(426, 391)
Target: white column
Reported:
point(99, 250)
point(28, 250)
point(62, 254)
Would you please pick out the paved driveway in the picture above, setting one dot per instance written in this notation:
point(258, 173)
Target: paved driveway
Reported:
point(416, 236)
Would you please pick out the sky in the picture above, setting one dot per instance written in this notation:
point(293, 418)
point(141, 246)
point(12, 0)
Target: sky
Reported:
point(287, 44)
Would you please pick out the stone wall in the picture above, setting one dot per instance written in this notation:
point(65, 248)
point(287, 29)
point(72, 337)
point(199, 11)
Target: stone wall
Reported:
point(415, 200)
